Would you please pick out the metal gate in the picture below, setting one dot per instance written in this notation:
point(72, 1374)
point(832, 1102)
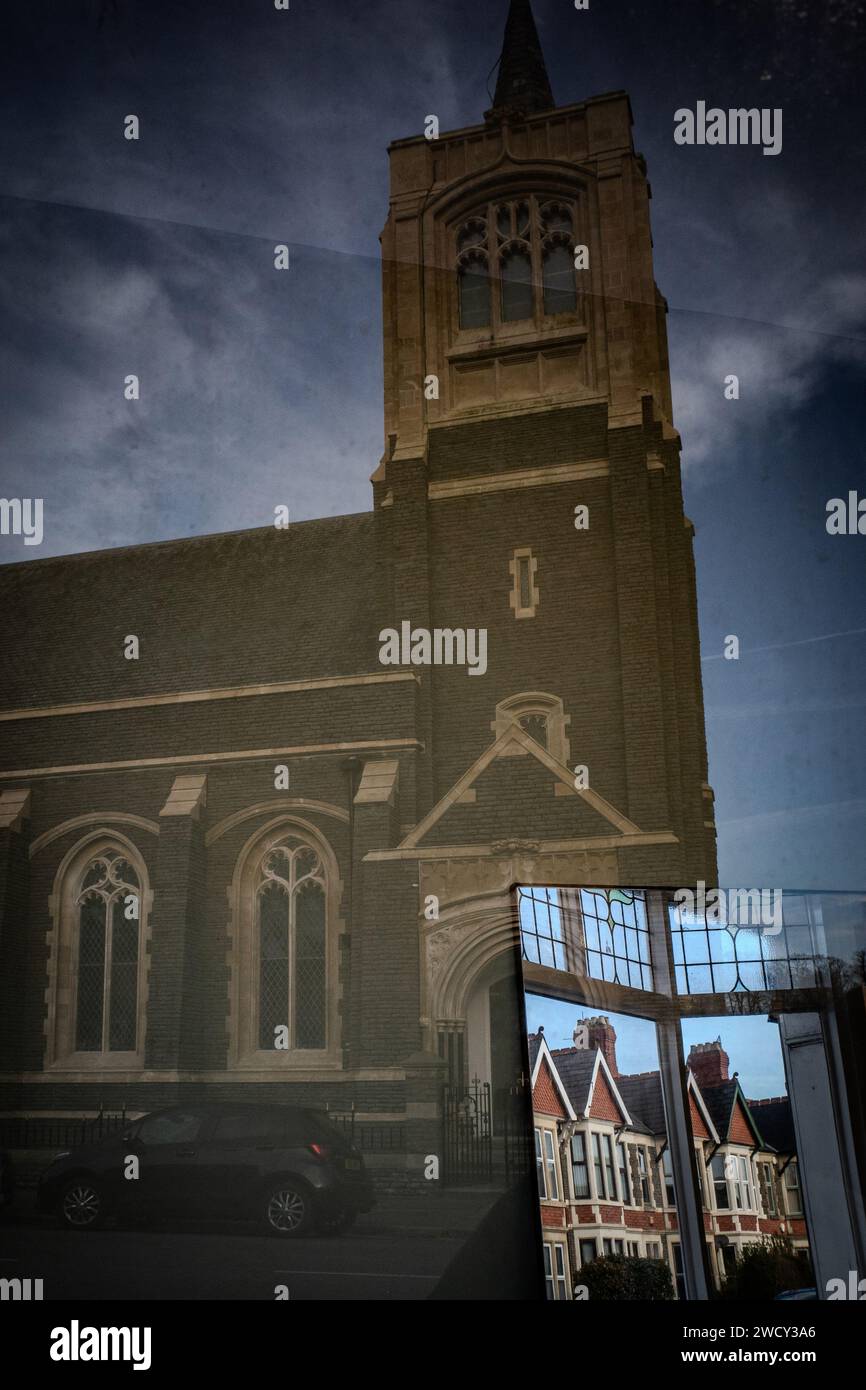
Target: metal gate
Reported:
point(467, 1133)
point(518, 1144)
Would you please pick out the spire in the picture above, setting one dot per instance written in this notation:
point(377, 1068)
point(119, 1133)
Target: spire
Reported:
point(522, 85)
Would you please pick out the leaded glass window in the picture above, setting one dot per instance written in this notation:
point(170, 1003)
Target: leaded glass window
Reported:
point(291, 915)
point(527, 247)
point(107, 955)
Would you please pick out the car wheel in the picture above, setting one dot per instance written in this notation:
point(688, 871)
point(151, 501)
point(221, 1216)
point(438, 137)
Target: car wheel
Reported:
point(82, 1206)
point(335, 1223)
point(288, 1209)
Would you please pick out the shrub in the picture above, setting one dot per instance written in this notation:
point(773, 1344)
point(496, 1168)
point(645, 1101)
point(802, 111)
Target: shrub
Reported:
point(627, 1279)
point(766, 1268)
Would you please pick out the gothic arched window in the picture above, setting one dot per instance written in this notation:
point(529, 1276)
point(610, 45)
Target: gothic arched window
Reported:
point(528, 248)
point(292, 946)
point(97, 965)
point(107, 955)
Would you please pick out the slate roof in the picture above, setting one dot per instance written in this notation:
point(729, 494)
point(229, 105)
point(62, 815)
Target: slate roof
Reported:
point(776, 1123)
point(575, 1070)
point(238, 608)
point(643, 1098)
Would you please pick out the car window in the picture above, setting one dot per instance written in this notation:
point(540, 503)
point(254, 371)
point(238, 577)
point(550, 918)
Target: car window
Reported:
point(173, 1127)
point(250, 1126)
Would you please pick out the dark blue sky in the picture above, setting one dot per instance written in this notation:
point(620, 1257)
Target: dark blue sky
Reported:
point(259, 126)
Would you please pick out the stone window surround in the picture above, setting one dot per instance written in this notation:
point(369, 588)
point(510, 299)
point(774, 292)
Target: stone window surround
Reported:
point(510, 710)
point(244, 1053)
point(523, 554)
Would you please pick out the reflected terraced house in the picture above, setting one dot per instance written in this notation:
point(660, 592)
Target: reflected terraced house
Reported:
point(605, 1177)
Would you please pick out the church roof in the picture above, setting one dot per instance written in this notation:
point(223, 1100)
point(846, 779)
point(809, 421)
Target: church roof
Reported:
point(237, 608)
point(522, 85)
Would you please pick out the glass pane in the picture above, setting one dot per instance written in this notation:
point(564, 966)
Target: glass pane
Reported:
point(560, 293)
point(556, 218)
point(124, 983)
point(123, 872)
point(525, 574)
point(536, 726)
point(310, 972)
point(91, 976)
point(473, 285)
point(273, 962)
point(474, 233)
point(516, 276)
point(503, 221)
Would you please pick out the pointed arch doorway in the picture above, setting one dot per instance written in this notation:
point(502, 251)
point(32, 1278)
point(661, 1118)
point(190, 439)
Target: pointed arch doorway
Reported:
point(494, 1030)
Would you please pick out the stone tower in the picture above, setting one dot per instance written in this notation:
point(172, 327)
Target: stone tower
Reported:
point(531, 478)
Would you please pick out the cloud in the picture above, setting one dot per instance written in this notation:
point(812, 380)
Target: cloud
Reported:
point(786, 323)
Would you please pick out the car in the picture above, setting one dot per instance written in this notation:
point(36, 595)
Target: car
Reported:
point(290, 1169)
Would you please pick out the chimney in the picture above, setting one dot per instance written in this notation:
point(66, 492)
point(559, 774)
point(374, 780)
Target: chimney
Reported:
point(603, 1036)
point(709, 1063)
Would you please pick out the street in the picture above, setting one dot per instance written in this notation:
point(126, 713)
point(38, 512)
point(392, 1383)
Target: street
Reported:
point(222, 1263)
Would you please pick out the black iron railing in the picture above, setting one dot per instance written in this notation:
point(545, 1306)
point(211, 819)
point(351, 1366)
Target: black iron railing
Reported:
point(58, 1131)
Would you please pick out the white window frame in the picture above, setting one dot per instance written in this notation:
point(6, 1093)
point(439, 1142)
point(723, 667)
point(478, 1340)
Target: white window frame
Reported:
point(539, 1165)
point(794, 1169)
point(585, 1163)
point(623, 1174)
point(550, 1161)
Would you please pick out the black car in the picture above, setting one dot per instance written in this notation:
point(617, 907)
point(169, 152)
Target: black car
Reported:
point(290, 1169)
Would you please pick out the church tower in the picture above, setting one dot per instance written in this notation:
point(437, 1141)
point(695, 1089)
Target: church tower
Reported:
point(531, 485)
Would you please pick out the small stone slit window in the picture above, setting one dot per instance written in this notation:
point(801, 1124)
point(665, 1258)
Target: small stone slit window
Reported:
point(524, 593)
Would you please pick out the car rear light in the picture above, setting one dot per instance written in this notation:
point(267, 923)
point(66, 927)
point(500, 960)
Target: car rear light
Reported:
point(320, 1150)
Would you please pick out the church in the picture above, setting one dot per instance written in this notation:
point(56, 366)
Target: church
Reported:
point(257, 862)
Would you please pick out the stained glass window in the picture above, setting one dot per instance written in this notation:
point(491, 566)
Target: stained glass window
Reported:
point(600, 932)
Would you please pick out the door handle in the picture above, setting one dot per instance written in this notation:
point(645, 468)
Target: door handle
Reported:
point(185, 1153)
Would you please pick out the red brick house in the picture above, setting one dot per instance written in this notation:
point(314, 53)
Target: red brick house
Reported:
point(605, 1178)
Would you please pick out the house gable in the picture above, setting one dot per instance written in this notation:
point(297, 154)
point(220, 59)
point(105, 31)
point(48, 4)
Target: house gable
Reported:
point(545, 1098)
